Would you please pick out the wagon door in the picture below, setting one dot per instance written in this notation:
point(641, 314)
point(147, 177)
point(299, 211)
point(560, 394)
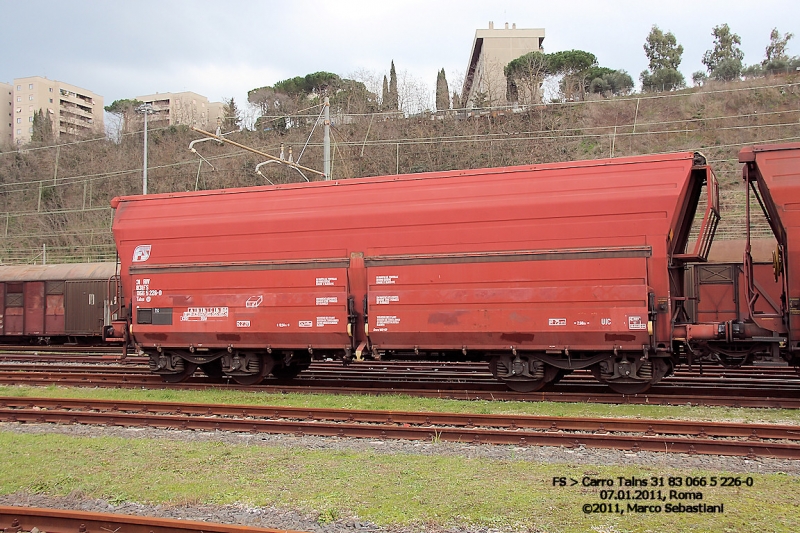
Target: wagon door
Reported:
point(54, 311)
point(34, 307)
point(83, 304)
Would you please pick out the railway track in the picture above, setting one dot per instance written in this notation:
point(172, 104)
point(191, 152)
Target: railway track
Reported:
point(16, 519)
point(773, 388)
point(673, 436)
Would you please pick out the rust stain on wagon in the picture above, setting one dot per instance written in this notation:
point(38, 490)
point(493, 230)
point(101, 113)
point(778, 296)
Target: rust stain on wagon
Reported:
point(448, 319)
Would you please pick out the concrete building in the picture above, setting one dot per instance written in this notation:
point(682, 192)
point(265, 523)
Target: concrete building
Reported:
point(187, 108)
point(72, 109)
point(492, 50)
point(6, 114)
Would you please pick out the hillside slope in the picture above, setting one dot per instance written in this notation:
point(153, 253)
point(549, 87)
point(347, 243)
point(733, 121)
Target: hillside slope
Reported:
point(58, 197)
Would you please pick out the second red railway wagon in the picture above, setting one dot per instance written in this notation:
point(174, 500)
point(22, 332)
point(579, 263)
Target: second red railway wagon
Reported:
point(539, 269)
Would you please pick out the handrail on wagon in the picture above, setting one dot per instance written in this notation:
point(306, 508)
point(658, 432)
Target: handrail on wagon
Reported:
point(710, 223)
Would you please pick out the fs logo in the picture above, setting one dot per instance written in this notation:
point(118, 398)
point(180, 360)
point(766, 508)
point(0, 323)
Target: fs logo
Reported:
point(141, 253)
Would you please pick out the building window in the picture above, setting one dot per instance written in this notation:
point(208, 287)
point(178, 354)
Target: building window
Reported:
point(19, 98)
point(19, 110)
point(19, 87)
point(30, 86)
point(19, 121)
point(30, 119)
point(19, 132)
point(30, 130)
point(51, 100)
point(30, 97)
point(51, 89)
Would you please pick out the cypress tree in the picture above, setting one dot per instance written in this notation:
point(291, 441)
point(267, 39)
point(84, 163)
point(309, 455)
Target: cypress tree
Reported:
point(442, 92)
point(385, 98)
point(394, 97)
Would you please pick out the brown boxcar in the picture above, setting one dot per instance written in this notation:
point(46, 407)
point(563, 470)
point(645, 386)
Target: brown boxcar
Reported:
point(54, 303)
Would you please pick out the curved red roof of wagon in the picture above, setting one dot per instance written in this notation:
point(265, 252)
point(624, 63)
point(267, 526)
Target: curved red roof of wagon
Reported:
point(618, 201)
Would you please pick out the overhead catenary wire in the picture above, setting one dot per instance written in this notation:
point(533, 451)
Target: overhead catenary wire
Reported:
point(521, 136)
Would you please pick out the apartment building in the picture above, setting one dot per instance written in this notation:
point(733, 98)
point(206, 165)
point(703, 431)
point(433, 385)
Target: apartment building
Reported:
point(492, 49)
point(186, 108)
point(6, 114)
point(72, 109)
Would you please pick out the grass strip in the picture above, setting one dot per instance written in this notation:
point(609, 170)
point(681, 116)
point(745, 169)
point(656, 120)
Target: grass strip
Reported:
point(390, 490)
point(410, 403)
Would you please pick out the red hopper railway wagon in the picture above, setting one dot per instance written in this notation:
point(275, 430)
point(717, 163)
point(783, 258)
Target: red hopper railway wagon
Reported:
point(538, 269)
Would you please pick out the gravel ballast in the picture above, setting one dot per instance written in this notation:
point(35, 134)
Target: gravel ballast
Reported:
point(291, 519)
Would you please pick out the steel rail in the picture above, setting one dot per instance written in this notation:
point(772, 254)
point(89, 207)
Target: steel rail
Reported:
point(590, 393)
point(550, 423)
point(755, 440)
point(17, 519)
point(392, 380)
point(396, 379)
point(775, 378)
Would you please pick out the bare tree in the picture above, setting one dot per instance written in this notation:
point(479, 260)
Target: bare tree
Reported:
point(413, 95)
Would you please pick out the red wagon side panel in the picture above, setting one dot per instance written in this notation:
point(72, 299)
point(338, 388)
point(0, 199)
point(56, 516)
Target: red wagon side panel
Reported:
point(247, 308)
point(552, 303)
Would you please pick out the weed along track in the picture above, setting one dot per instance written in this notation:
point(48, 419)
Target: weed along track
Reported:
point(714, 438)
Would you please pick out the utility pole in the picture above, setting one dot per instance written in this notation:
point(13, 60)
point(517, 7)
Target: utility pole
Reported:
point(326, 143)
point(145, 109)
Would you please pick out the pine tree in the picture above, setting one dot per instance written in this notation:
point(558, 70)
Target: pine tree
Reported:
point(231, 119)
point(442, 92)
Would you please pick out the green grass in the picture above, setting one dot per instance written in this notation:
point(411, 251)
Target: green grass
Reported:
point(408, 403)
point(387, 489)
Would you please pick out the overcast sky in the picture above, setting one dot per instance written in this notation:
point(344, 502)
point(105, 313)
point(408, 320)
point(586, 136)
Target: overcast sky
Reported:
point(224, 48)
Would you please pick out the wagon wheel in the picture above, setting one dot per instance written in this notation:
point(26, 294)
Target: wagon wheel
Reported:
point(629, 388)
point(178, 377)
point(265, 365)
